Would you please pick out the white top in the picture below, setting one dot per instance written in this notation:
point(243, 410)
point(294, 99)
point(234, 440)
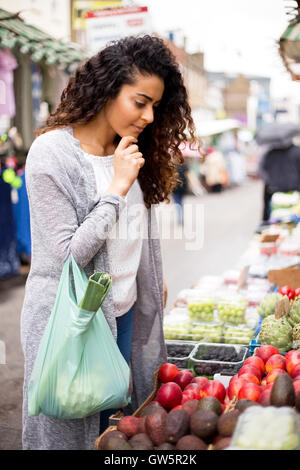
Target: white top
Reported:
point(124, 241)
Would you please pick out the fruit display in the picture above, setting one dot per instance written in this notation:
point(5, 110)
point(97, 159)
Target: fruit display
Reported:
point(257, 377)
point(232, 310)
point(177, 324)
point(178, 352)
point(277, 332)
point(183, 295)
point(267, 305)
point(209, 332)
point(177, 331)
point(188, 414)
point(237, 334)
point(201, 308)
point(207, 359)
point(258, 410)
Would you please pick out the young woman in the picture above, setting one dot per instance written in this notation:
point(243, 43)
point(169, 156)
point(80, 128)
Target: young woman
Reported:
point(110, 148)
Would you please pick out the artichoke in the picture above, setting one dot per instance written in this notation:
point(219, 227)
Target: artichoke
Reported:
point(294, 315)
point(278, 333)
point(267, 305)
point(296, 337)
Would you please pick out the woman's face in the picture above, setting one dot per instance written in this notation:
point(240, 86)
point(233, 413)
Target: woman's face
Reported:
point(134, 107)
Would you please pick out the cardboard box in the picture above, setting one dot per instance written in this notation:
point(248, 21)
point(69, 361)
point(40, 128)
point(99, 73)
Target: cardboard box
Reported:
point(285, 277)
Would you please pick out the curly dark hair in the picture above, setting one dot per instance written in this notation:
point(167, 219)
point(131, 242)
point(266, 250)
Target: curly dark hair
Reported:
point(100, 79)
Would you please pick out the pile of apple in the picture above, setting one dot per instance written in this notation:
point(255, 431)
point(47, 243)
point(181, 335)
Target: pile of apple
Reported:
point(254, 380)
point(258, 373)
point(180, 386)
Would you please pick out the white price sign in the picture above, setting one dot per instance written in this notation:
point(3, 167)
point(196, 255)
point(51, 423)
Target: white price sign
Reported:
point(103, 26)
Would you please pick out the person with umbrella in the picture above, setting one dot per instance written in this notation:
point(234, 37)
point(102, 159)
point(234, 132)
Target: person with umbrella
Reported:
point(279, 166)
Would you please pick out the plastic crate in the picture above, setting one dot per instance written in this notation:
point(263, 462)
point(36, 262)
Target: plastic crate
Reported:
point(178, 352)
point(201, 364)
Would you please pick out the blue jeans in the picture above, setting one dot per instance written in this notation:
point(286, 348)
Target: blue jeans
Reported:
point(124, 339)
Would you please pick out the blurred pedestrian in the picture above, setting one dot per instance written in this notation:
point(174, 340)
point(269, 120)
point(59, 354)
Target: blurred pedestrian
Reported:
point(180, 191)
point(279, 168)
point(214, 170)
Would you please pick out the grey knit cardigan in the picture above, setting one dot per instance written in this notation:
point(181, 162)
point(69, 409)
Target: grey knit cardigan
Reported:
point(67, 217)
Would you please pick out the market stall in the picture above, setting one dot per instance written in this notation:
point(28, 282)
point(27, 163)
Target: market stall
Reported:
point(232, 376)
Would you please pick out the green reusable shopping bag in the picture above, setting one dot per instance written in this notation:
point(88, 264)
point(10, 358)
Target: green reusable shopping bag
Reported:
point(79, 369)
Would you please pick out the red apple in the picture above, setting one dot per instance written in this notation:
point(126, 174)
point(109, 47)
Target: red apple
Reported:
point(201, 381)
point(296, 371)
point(234, 386)
point(292, 360)
point(296, 385)
point(195, 388)
point(248, 369)
point(250, 391)
point(273, 374)
point(169, 395)
point(233, 378)
point(264, 398)
point(214, 388)
point(192, 386)
point(266, 351)
point(167, 372)
point(290, 352)
point(255, 361)
point(189, 395)
point(251, 378)
point(277, 361)
point(183, 378)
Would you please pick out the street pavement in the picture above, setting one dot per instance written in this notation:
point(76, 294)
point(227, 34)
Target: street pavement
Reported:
point(227, 226)
point(225, 223)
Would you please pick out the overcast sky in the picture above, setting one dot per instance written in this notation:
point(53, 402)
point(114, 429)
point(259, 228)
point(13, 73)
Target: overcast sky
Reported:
point(235, 35)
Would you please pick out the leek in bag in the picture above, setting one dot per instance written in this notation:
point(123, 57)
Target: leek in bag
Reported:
point(79, 369)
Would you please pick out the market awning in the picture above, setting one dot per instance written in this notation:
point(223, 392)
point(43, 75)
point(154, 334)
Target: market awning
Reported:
point(214, 127)
point(29, 40)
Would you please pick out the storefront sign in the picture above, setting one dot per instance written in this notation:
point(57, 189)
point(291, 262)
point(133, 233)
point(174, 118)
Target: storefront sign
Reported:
point(103, 26)
point(80, 7)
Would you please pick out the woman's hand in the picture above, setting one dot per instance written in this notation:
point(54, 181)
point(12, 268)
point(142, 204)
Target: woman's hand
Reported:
point(165, 294)
point(127, 163)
